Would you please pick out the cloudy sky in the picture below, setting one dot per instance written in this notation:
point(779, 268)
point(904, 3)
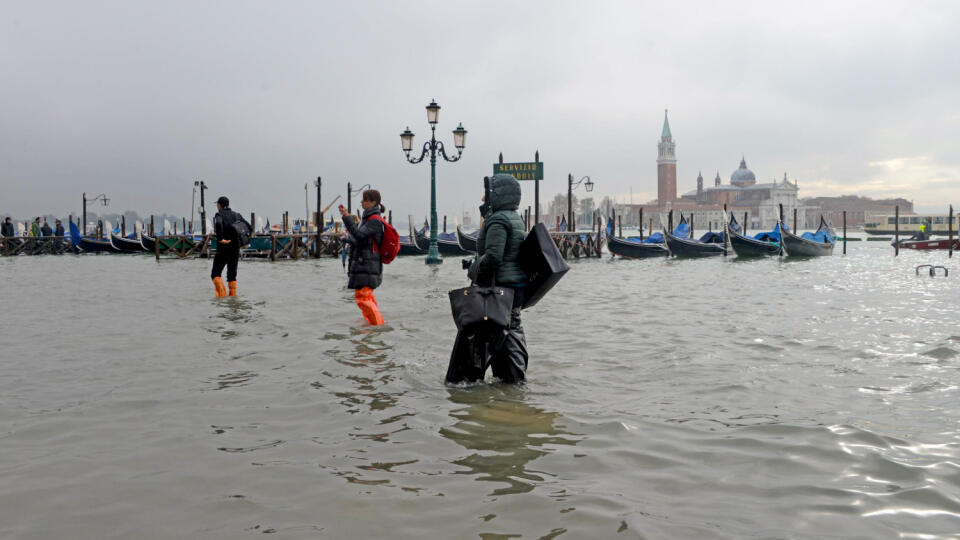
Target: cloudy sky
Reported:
point(139, 99)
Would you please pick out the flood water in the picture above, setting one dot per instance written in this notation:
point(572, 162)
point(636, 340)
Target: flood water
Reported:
point(673, 399)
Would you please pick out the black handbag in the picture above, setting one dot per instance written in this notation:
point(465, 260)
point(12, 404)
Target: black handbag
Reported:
point(476, 306)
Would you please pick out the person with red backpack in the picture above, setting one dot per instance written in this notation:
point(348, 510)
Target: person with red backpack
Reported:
point(375, 243)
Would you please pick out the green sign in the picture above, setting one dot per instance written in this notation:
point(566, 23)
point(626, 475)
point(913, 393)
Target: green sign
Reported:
point(521, 171)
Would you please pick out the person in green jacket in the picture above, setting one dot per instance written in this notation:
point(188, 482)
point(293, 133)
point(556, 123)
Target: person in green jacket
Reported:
point(35, 228)
point(498, 250)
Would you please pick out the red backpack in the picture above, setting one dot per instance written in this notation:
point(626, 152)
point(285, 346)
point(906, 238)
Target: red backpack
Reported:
point(390, 243)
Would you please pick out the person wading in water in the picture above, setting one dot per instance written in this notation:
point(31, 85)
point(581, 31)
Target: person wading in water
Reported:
point(229, 228)
point(498, 248)
point(365, 267)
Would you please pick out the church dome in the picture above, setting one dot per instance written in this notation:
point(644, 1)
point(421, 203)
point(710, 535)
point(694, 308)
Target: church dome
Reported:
point(743, 176)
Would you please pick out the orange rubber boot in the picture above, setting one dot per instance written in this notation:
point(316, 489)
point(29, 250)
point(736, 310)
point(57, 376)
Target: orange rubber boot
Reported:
point(233, 287)
point(368, 306)
point(220, 288)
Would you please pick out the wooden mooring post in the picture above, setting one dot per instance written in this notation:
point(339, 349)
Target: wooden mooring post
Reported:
point(620, 224)
point(152, 227)
point(746, 217)
point(640, 224)
point(896, 231)
point(726, 230)
point(844, 232)
point(794, 220)
point(950, 234)
point(123, 226)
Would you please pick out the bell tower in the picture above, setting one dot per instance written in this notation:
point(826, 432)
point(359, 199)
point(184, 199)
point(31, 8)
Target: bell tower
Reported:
point(666, 166)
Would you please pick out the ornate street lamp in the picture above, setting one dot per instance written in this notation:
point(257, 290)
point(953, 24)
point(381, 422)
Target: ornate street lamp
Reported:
point(101, 197)
point(571, 185)
point(433, 146)
point(351, 192)
point(203, 206)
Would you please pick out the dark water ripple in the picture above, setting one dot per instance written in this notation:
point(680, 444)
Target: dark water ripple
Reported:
point(668, 399)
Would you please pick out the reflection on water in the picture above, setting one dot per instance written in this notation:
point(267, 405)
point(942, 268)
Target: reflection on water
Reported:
point(506, 433)
point(372, 370)
point(230, 315)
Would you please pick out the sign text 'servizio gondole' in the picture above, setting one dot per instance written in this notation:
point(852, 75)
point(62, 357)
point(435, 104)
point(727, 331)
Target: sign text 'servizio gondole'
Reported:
point(521, 171)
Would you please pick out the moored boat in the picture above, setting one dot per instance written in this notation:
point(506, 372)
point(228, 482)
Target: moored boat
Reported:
point(468, 242)
point(409, 244)
point(682, 245)
point(764, 244)
point(90, 244)
point(448, 244)
point(127, 245)
point(816, 244)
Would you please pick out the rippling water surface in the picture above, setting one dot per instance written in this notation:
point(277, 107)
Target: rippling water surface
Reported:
point(667, 399)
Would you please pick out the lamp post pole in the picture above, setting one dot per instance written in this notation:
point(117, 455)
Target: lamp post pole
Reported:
point(193, 204)
point(203, 210)
point(319, 219)
point(101, 197)
point(433, 255)
point(433, 146)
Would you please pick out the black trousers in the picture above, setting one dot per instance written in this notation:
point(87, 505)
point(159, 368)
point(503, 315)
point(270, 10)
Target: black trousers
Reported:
point(504, 350)
point(228, 257)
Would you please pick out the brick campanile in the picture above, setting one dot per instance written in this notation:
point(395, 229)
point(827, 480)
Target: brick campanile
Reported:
point(666, 166)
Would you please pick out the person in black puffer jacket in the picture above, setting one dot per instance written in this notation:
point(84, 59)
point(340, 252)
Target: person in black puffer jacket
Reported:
point(365, 269)
point(228, 247)
point(498, 250)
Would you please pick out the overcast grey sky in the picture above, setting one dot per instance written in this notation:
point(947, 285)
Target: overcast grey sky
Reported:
point(139, 99)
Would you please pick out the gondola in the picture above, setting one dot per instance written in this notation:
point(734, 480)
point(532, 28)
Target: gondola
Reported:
point(90, 244)
point(468, 242)
point(629, 248)
point(148, 243)
point(127, 245)
point(634, 247)
point(815, 244)
point(759, 245)
point(682, 245)
point(409, 244)
point(448, 244)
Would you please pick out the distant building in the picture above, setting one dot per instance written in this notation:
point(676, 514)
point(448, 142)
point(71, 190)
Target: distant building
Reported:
point(666, 166)
point(859, 209)
point(760, 202)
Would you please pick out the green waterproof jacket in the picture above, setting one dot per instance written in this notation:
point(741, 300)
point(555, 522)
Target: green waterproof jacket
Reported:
point(498, 244)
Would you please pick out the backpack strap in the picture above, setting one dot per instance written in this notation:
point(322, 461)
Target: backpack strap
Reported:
point(374, 245)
